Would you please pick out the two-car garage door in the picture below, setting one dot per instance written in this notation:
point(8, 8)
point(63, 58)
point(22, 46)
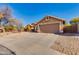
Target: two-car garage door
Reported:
point(50, 28)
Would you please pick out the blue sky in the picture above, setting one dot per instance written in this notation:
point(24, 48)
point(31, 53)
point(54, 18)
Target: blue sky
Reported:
point(33, 12)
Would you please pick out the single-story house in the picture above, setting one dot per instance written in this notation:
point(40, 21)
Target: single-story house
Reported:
point(50, 24)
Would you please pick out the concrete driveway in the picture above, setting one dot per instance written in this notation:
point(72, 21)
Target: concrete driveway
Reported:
point(26, 43)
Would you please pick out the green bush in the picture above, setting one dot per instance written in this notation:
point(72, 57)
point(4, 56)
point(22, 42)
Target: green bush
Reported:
point(74, 20)
point(10, 28)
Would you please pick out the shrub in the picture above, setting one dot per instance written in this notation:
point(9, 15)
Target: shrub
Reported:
point(74, 20)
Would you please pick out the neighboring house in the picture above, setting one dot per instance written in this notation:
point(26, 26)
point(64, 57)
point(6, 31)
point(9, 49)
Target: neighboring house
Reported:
point(50, 24)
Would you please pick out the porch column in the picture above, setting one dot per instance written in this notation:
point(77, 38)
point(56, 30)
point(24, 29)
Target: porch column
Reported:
point(38, 28)
point(78, 28)
point(60, 28)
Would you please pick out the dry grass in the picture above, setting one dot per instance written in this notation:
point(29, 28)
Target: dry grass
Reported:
point(67, 45)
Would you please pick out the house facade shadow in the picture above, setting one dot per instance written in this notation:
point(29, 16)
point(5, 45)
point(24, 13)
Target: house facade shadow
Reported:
point(67, 34)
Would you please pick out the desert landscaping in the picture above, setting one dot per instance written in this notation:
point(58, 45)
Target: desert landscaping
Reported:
point(67, 44)
point(48, 35)
point(28, 43)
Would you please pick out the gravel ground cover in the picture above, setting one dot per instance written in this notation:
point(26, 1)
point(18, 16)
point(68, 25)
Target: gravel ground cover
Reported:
point(67, 45)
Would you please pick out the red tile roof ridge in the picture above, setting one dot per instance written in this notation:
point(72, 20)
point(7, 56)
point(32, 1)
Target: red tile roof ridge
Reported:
point(52, 17)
